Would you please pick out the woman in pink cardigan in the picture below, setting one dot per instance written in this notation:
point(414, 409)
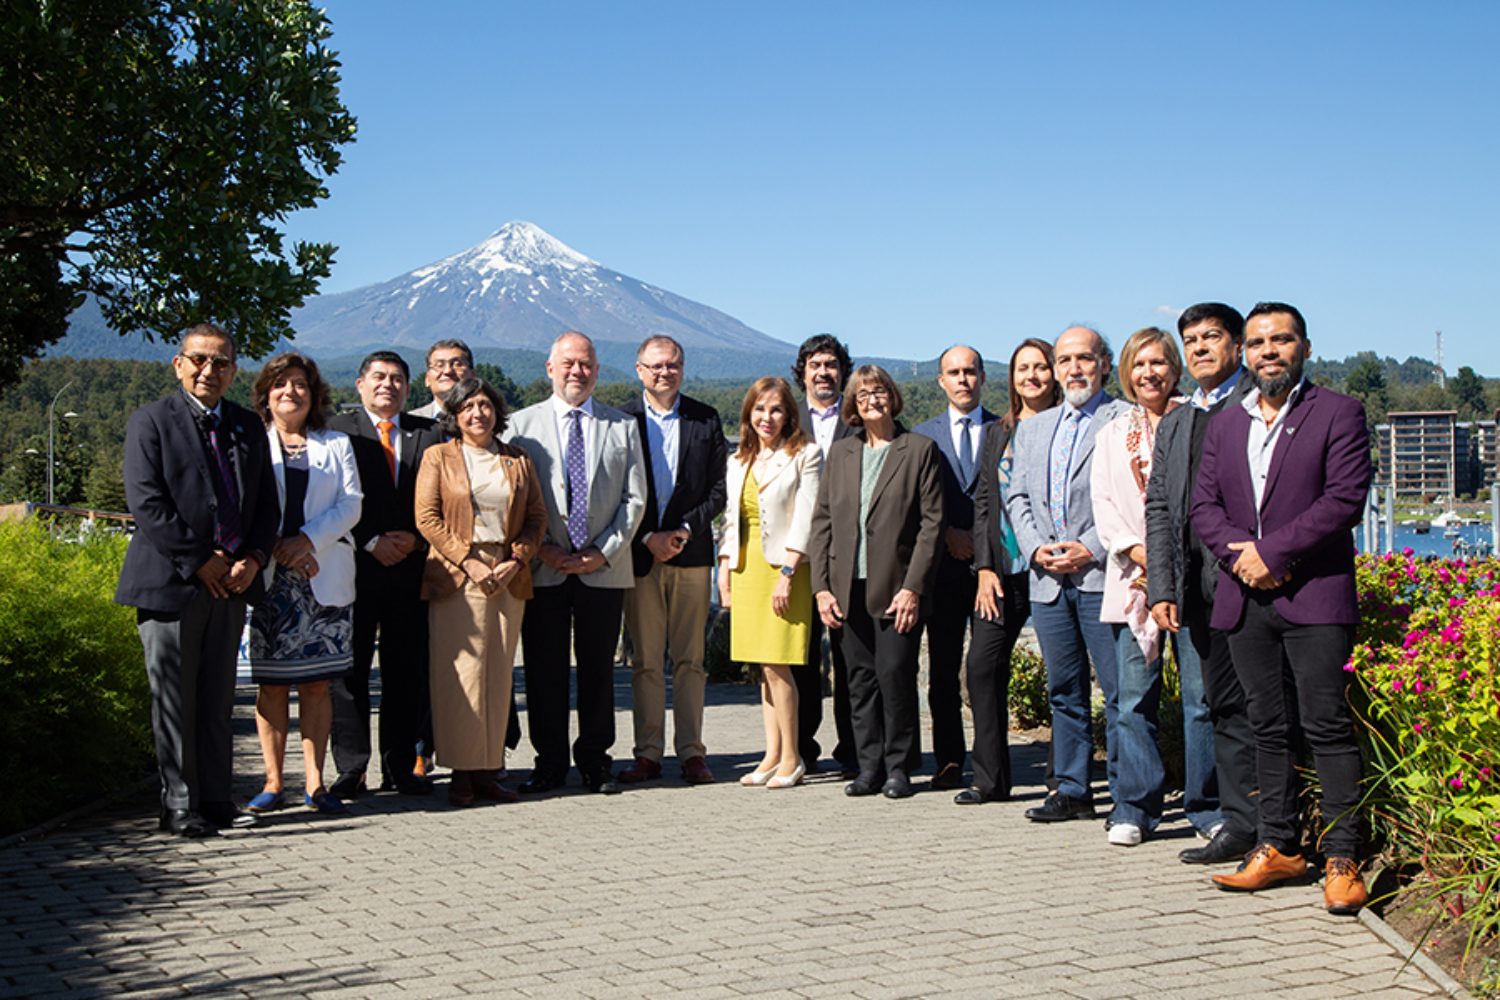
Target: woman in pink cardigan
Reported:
point(1150, 367)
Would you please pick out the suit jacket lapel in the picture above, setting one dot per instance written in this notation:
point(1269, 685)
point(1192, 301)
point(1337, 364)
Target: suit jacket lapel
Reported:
point(893, 460)
point(187, 415)
point(778, 463)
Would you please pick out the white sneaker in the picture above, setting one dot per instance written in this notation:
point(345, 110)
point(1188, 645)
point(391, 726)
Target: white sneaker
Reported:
point(1124, 834)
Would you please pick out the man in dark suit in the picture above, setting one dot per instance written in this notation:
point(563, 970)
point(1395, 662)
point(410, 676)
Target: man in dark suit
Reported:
point(822, 370)
point(198, 482)
point(959, 433)
point(1218, 748)
point(389, 558)
point(588, 460)
point(673, 554)
point(1283, 481)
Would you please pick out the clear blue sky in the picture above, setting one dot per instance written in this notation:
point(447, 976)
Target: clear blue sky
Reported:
point(906, 175)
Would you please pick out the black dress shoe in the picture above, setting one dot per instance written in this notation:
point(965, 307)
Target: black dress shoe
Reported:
point(348, 785)
point(408, 784)
point(1059, 807)
point(865, 784)
point(949, 776)
point(540, 781)
point(1224, 848)
point(897, 786)
point(186, 823)
point(227, 816)
point(603, 784)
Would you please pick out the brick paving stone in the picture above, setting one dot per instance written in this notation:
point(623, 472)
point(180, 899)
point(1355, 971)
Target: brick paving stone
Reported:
point(666, 890)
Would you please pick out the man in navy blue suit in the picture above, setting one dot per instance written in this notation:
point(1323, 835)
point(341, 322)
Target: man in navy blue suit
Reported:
point(198, 482)
point(958, 432)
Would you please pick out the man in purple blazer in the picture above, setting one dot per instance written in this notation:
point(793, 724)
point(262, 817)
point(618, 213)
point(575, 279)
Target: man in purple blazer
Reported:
point(1283, 482)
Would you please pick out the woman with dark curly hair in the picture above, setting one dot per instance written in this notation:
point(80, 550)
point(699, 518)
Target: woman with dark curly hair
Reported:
point(302, 633)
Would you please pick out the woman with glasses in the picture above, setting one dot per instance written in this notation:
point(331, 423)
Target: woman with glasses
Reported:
point(876, 532)
point(302, 634)
point(772, 482)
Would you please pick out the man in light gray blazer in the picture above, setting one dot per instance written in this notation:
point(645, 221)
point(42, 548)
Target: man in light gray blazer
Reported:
point(589, 461)
point(1051, 510)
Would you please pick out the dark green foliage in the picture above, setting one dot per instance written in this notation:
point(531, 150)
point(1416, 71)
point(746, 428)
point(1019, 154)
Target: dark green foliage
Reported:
point(1029, 707)
point(73, 694)
point(149, 152)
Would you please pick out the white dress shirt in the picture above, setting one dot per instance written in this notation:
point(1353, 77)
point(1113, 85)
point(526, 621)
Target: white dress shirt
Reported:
point(824, 423)
point(956, 428)
point(1261, 444)
point(395, 436)
point(560, 411)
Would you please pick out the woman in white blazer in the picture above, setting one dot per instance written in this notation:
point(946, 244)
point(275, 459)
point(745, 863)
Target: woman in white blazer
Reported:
point(772, 483)
point(302, 632)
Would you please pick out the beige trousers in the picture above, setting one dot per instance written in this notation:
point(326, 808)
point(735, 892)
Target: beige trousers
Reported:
point(472, 648)
point(667, 614)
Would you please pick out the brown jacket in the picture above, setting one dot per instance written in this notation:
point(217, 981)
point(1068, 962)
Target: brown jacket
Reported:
point(445, 517)
point(903, 528)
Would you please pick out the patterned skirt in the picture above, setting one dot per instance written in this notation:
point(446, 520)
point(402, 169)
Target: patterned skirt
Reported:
point(296, 640)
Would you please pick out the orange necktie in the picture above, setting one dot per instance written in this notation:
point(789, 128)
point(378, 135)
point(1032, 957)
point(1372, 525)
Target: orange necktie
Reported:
point(386, 426)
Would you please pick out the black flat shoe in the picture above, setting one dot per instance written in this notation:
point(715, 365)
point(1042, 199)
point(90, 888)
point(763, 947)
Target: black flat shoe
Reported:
point(186, 823)
point(865, 784)
point(897, 786)
point(540, 782)
point(1059, 807)
point(348, 785)
point(227, 816)
point(949, 776)
point(1224, 848)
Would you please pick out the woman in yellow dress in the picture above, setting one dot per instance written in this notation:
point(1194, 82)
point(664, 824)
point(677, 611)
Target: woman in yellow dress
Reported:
point(772, 483)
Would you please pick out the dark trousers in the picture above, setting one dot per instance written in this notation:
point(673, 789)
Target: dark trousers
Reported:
point(1264, 646)
point(400, 620)
point(809, 680)
point(190, 664)
point(587, 619)
point(989, 687)
point(882, 689)
point(1234, 742)
point(952, 607)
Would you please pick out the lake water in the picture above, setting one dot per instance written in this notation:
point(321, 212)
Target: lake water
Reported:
point(1434, 543)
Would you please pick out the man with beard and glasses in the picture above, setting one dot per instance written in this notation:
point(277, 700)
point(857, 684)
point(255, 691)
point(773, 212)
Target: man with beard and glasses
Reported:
point(1050, 506)
point(1281, 485)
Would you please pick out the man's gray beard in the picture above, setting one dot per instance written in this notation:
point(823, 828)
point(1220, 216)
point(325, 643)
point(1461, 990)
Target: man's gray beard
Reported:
point(1077, 397)
point(1278, 385)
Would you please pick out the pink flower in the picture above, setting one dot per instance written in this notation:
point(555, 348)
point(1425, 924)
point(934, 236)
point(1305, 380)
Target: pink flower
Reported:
point(1457, 781)
point(1408, 552)
point(1417, 727)
point(1452, 633)
point(1396, 684)
point(1463, 675)
point(1456, 602)
point(1349, 667)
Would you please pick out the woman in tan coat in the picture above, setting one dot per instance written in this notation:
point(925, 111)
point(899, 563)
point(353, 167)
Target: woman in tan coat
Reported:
point(480, 507)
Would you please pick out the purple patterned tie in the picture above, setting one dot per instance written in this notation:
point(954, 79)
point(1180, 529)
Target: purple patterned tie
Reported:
point(578, 484)
point(227, 528)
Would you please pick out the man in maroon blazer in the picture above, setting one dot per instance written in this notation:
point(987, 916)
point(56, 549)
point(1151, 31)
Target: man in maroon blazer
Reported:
point(1283, 481)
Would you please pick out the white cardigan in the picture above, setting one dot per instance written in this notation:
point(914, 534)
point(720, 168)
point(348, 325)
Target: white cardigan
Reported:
point(329, 512)
point(787, 498)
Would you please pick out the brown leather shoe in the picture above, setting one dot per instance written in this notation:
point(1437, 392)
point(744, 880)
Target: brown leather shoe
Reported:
point(695, 772)
point(1344, 890)
point(487, 788)
point(1263, 867)
point(644, 769)
point(461, 789)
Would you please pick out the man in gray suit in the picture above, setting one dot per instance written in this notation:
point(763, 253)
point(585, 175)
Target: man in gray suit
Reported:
point(589, 461)
point(1051, 510)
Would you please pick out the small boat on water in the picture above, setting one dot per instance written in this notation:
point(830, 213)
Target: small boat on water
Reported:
point(1420, 527)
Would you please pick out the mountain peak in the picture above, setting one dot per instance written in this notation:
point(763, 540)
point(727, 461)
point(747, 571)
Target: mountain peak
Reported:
point(515, 246)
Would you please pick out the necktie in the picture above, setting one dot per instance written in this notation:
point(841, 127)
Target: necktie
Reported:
point(578, 484)
point(1062, 461)
point(386, 427)
point(227, 524)
point(965, 452)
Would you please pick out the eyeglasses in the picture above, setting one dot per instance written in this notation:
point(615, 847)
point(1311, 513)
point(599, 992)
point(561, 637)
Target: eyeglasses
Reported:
point(869, 395)
point(665, 368)
point(451, 365)
point(217, 362)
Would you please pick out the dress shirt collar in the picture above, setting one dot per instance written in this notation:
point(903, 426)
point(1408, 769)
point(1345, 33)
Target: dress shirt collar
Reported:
point(375, 419)
point(651, 409)
point(974, 416)
point(562, 408)
point(828, 414)
point(1208, 400)
point(1251, 403)
point(198, 404)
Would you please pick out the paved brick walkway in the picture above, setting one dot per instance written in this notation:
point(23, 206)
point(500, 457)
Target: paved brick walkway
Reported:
point(719, 891)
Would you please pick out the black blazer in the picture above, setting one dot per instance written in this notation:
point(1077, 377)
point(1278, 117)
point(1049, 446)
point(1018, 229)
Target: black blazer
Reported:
point(387, 506)
point(1169, 498)
point(169, 488)
point(989, 505)
point(903, 527)
point(697, 496)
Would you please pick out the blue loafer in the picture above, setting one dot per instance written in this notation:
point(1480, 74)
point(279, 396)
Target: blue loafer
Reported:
point(267, 802)
point(321, 801)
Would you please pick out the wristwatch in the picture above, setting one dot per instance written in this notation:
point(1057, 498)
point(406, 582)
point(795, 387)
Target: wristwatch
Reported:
point(787, 571)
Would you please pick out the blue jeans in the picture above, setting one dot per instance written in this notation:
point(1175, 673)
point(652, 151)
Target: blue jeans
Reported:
point(1200, 792)
point(1142, 778)
point(1071, 633)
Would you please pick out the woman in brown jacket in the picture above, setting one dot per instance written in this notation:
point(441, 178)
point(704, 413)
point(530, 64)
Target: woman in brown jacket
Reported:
point(480, 507)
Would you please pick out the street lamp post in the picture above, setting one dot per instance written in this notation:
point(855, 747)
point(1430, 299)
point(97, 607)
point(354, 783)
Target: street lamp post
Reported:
point(51, 413)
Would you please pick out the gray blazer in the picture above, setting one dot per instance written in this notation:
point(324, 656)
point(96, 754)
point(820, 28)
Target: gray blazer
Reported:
point(1026, 500)
point(617, 488)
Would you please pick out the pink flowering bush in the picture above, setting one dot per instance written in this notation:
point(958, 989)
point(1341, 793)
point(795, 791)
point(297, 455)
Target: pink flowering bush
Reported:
point(1426, 665)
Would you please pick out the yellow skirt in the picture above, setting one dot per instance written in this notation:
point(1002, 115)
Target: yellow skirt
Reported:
point(756, 633)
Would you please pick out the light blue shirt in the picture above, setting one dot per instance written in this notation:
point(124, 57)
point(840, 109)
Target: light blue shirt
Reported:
point(1207, 400)
point(663, 432)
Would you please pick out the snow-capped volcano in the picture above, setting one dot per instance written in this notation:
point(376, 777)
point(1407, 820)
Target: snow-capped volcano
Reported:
point(520, 288)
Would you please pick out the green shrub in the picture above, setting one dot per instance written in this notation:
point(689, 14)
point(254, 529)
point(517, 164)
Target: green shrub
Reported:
point(1029, 707)
point(73, 691)
point(716, 662)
